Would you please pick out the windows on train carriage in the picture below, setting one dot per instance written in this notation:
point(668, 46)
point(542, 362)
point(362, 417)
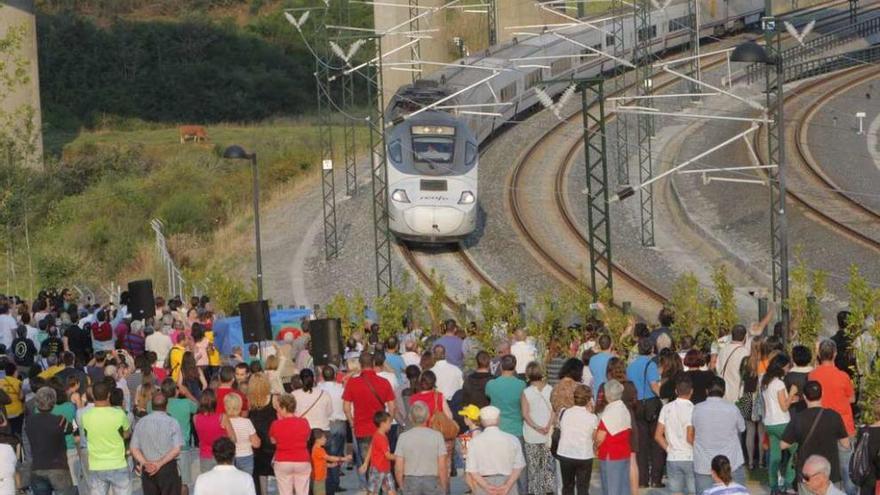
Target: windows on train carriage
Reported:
point(559, 66)
point(508, 92)
point(533, 78)
point(609, 40)
point(648, 32)
point(679, 23)
point(586, 53)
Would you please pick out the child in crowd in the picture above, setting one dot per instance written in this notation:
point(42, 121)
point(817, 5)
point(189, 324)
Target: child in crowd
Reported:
point(246, 438)
point(321, 461)
point(378, 458)
point(253, 354)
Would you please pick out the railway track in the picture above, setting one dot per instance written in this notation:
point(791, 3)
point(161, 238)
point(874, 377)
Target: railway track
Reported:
point(837, 210)
point(457, 261)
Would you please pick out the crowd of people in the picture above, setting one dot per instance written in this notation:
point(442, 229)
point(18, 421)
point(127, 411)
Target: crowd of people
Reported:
point(95, 403)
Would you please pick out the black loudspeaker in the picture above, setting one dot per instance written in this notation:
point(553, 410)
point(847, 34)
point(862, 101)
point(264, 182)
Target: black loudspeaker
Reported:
point(326, 335)
point(255, 323)
point(141, 304)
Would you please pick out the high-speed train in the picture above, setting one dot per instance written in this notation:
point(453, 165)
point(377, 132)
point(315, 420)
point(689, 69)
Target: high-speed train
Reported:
point(432, 178)
point(432, 184)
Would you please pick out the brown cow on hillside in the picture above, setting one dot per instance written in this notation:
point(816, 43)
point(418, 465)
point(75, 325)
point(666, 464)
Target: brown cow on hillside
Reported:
point(195, 132)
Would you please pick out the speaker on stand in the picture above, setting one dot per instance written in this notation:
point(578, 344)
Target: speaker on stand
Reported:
point(141, 303)
point(256, 325)
point(326, 338)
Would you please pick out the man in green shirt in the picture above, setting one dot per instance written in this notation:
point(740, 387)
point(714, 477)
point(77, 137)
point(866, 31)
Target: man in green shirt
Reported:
point(182, 409)
point(106, 428)
point(505, 393)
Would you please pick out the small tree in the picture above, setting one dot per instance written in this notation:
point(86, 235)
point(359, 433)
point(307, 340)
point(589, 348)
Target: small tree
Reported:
point(437, 298)
point(864, 307)
point(690, 303)
point(340, 307)
point(726, 316)
point(500, 310)
point(617, 323)
point(806, 289)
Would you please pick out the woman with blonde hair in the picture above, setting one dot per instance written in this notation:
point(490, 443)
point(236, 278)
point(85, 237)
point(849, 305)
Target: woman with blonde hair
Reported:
point(537, 416)
point(246, 438)
point(751, 410)
point(273, 376)
point(262, 414)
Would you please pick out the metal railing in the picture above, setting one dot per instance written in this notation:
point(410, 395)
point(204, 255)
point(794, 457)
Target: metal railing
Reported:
point(833, 63)
point(177, 285)
point(828, 41)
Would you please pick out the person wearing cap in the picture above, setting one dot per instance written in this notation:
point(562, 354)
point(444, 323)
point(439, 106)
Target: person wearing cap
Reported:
point(471, 415)
point(416, 470)
point(495, 458)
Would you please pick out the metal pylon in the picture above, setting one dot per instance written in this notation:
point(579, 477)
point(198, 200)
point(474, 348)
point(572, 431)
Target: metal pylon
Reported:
point(491, 19)
point(415, 51)
point(379, 171)
point(349, 144)
point(618, 86)
point(644, 129)
point(776, 156)
point(328, 181)
point(598, 219)
point(694, 45)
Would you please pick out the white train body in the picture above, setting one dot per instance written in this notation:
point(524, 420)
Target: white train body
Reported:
point(438, 216)
point(433, 159)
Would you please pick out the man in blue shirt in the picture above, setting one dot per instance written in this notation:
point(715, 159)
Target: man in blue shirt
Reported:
point(717, 427)
point(599, 362)
point(393, 357)
point(645, 376)
point(452, 343)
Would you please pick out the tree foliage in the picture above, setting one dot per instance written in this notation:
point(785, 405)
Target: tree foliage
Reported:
point(807, 288)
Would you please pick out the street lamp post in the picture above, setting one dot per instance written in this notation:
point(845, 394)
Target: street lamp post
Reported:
point(771, 57)
point(236, 152)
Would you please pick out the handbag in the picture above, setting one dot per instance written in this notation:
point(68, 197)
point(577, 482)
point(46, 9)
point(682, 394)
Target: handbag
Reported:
point(649, 409)
point(554, 437)
point(441, 422)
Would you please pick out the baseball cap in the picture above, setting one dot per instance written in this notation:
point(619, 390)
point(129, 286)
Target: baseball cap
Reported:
point(470, 411)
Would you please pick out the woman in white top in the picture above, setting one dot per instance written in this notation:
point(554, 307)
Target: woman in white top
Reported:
point(313, 404)
point(246, 438)
point(776, 402)
point(577, 426)
point(537, 422)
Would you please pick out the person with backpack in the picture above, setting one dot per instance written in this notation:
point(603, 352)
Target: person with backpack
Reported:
point(102, 332)
point(23, 351)
point(816, 431)
point(864, 466)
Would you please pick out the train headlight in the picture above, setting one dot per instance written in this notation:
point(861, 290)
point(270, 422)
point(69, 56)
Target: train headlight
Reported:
point(467, 198)
point(400, 196)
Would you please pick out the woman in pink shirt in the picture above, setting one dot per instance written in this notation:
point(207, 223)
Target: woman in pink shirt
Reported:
point(210, 425)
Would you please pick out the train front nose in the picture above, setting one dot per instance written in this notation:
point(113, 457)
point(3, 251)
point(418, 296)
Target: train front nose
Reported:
point(434, 221)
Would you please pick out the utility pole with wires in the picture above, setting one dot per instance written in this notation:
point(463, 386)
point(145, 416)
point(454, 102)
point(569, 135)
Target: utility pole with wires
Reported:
point(491, 19)
point(774, 79)
point(644, 128)
point(595, 161)
point(693, 27)
point(621, 138)
point(349, 142)
point(415, 53)
point(323, 60)
point(379, 171)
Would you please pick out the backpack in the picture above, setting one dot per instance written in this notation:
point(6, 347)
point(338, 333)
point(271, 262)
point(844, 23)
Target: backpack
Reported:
point(101, 331)
point(861, 464)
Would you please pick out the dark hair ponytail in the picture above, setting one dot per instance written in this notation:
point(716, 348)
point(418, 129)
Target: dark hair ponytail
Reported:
point(721, 467)
point(307, 377)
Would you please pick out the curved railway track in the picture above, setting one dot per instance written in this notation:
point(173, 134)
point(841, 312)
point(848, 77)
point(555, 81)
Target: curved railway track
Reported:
point(631, 288)
point(827, 213)
point(439, 260)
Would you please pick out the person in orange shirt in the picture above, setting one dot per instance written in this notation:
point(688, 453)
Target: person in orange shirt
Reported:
point(321, 461)
point(838, 395)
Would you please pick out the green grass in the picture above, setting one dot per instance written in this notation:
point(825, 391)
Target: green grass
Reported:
point(108, 184)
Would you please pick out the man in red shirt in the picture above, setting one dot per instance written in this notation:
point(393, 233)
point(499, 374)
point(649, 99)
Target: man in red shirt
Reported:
point(364, 395)
point(838, 395)
point(227, 380)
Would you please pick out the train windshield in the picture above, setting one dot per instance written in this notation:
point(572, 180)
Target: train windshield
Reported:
point(433, 149)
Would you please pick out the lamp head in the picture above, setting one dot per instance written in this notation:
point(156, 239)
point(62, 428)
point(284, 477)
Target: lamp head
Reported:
point(236, 152)
point(751, 52)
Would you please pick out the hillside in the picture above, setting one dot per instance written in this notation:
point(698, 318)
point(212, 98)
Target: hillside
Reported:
point(117, 77)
